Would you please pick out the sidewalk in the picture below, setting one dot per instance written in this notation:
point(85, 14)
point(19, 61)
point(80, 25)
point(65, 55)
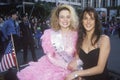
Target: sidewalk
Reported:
point(38, 51)
point(114, 57)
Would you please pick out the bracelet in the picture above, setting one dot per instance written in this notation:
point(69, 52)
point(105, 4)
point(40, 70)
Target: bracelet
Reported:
point(79, 64)
point(75, 75)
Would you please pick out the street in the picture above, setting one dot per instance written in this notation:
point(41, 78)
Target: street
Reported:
point(114, 58)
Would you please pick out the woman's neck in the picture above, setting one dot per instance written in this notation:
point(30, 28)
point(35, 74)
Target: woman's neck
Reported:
point(89, 35)
point(65, 30)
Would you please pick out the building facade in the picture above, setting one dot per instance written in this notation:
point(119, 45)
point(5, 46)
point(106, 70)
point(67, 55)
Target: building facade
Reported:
point(81, 3)
point(112, 6)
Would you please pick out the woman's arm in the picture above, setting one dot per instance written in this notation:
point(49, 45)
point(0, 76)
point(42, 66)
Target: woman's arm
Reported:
point(99, 68)
point(73, 65)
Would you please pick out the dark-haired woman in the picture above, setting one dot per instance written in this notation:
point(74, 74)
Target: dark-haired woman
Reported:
point(93, 48)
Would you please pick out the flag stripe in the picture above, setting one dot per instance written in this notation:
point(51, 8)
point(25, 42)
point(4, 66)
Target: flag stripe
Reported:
point(9, 58)
point(1, 68)
point(14, 59)
point(9, 61)
point(5, 61)
point(4, 67)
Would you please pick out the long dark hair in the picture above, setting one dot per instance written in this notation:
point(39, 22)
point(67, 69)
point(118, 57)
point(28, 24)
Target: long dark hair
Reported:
point(82, 32)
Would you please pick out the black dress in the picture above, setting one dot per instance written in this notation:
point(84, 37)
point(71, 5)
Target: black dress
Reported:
point(90, 59)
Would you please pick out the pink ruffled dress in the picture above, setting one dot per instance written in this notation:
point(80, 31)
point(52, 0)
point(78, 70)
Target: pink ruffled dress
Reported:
point(58, 51)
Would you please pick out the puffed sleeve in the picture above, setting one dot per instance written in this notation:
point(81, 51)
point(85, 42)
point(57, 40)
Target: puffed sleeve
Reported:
point(46, 42)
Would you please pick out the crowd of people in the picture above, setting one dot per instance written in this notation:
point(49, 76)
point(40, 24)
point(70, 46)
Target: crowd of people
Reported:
point(74, 46)
point(111, 27)
point(26, 33)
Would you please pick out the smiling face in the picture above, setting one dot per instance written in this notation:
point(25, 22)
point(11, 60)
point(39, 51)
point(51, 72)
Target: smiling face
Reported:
point(64, 18)
point(89, 22)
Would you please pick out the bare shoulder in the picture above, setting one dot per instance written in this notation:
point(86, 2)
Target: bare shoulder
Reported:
point(104, 39)
point(105, 45)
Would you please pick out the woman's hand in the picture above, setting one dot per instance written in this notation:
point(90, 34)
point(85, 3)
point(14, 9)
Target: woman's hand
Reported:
point(70, 77)
point(72, 65)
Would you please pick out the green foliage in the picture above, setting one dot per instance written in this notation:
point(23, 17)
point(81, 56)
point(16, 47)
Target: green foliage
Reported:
point(43, 9)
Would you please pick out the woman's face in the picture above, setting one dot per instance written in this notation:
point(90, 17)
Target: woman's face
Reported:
point(64, 18)
point(89, 22)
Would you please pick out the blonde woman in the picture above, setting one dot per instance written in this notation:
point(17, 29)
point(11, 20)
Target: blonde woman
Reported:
point(58, 45)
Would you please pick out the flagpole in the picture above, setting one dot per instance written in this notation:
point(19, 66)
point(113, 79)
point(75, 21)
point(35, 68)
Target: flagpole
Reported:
point(15, 52)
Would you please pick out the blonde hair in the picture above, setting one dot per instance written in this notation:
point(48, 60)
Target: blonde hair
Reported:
point(55, 15)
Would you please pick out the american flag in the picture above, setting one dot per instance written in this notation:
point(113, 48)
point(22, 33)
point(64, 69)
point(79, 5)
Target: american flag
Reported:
point(8, 59)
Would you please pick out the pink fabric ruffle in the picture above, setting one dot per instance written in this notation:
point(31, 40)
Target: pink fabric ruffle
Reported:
point(42, 70)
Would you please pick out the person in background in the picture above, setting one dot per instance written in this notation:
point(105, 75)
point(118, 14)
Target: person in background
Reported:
point(93, 48)
point(1, 45)
point(1, 37)
point(1, 22)
point(58, 44)
point(118, 28)
point(27, 38)
point(38, 34)
point(11, 26)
